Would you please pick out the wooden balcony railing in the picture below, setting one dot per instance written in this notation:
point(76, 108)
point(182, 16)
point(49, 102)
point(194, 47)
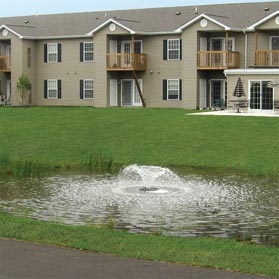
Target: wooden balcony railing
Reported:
point(267, 58)
point(5, 63)
point(126, 62)
point(217, 60)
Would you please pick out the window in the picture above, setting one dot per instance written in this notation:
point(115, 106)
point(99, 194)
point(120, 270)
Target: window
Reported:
point(52, 52)
point(86, 51)
point(172, 49)
point(52, 89)
point(261, 95)
point(172, 89)
point(29, 57)
point(86, 89)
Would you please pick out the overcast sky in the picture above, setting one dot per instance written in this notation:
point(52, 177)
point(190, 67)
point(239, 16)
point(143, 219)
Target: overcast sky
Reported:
point(34, 7)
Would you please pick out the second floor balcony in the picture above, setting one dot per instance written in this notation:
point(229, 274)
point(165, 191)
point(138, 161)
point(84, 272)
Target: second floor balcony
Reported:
point(126, 62)
point(218, 60)
point(5, 64)
point(267, 58)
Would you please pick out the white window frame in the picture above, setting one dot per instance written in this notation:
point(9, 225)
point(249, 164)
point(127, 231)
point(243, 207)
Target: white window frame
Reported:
point(260, 81)
point(52, 50)
point(230, 39)
point(88, 86)
point(52, 85)
point(177, 89)
point(88, 48)
point(270, 41)
point(169, 49)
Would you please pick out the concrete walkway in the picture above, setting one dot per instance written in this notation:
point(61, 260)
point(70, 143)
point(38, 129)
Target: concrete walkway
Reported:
point(261, 113)
point(23, 260)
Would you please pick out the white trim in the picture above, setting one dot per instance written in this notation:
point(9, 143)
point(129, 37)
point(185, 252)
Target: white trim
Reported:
point(251, 72)
point(108, 22)
point(178, 50)
point(261, 93)
point(3, 26)
point(178, 89)
point(84, 89)
point(179, 29)
point(48, 89)
point(270, 41)
point(263, 20)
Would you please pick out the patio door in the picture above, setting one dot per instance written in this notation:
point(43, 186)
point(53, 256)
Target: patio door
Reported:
point(218, 93)
point(126, 47)
point(261, 96)
point(129, 93)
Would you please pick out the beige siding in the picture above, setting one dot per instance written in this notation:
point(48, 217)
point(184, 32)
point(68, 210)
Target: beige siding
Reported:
point(232, 80)
point(70, 71)
point(158, 70)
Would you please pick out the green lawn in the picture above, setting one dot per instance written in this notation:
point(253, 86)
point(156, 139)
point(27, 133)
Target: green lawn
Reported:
point(166, 137)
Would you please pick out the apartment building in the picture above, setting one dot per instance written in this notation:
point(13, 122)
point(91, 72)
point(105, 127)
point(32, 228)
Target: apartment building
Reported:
point(178, 57)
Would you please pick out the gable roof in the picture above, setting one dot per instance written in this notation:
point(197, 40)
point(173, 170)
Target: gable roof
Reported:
point(200, 17)
point(253, 26)
point(139, 21)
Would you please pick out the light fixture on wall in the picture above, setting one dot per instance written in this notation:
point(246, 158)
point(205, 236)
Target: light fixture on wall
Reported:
point(151, 72)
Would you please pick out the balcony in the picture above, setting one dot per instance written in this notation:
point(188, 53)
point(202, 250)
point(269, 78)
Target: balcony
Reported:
point(5, 64)
point(267, 58)
point(126, 62)
point(218, 60)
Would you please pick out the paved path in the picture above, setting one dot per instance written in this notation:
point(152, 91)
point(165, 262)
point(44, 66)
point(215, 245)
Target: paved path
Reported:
point(33, 261)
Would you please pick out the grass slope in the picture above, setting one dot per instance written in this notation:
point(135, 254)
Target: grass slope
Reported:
point(166, 137)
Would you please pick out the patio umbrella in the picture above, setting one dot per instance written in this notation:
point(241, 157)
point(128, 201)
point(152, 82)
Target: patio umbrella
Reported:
point(239, 90)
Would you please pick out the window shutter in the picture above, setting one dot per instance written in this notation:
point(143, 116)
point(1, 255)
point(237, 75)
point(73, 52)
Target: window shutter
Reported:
point(165, 89)
point(165, 49)
point(180, 89)
point(45, 89)
point(45, 53)
point(59, 89)
point(180, 49)
point(81, 89)
point(59, 52)
point(81, 52)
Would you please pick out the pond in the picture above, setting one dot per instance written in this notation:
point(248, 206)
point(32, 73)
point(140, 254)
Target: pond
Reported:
point(149, 199)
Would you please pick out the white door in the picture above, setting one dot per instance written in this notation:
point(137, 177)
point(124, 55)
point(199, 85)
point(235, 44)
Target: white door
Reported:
point(9, 84)
point(202, 99)
point(113, 92)
point(126, 92)
point(129, 93)
point(218, 93)
point(127, 58)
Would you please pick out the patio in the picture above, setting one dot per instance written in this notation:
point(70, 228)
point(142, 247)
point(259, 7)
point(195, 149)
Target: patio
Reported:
point(259, 113)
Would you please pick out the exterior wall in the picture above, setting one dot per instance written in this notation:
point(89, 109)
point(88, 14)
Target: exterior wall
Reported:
point(158, 70)
point(30, 70)
point(191, 43)
point(246, 78)
point(269, 24)
point(16, 65)
point(101, 48)
point(70, 71)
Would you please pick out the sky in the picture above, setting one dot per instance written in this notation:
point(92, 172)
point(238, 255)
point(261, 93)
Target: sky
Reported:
point(37, 7)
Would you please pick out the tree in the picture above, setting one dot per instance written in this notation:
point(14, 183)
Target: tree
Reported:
point(24, 88)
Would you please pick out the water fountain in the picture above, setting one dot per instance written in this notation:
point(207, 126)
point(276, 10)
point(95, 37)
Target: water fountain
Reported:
point(148, 199)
